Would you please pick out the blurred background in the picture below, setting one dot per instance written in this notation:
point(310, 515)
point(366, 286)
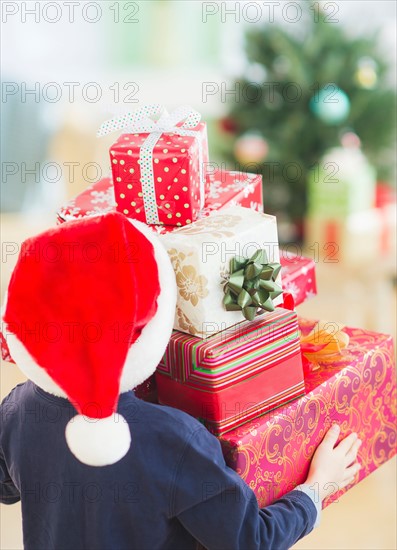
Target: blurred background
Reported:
point(302, 92)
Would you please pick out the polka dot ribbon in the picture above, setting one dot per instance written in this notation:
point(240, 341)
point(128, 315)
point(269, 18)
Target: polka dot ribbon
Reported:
point(152, 118)
point(155, 120)
point(144, 119)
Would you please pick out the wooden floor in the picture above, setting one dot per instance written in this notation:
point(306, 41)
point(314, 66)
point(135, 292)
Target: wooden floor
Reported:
point(364, 518)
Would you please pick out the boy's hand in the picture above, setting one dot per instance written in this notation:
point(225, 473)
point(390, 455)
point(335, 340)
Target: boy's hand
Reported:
point(334, 467)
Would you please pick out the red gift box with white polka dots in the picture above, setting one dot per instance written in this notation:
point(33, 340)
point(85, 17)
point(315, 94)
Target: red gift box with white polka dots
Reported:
point(179, 193)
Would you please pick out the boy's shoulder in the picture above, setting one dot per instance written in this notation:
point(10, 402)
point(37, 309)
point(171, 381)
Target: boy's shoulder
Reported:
point(13, 405)
point(20, 392)
point(18, 397)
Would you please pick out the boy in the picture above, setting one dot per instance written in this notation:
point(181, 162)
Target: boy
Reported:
point(123, 474)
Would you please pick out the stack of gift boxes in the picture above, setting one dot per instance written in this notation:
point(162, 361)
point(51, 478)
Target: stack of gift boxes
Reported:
point(265, 382)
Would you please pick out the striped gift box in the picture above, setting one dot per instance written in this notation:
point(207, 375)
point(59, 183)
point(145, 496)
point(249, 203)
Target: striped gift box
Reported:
point(235, 375)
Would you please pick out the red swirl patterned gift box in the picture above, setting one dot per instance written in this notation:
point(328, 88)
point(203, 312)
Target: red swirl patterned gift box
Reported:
point(357, 390)
point(234, 375)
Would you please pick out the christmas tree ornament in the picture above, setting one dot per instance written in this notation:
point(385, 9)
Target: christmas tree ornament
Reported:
point(251, 148)
point(256, 73)
point(350, 140)
point(331, 105)
point(228, 125)
point(366, 75)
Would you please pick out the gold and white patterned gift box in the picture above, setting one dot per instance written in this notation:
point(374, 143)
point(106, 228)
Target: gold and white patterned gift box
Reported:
point(201, 254)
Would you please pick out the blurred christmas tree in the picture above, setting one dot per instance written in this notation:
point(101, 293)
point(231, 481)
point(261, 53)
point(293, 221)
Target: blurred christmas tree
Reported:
point(302, 94)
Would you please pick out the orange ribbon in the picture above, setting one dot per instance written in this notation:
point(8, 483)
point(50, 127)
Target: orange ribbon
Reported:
point(324, 343)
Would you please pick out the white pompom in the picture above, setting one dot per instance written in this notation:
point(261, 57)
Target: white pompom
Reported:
point(98, 442)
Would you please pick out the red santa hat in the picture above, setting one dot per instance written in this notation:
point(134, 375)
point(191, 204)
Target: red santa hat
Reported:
point(89, 312)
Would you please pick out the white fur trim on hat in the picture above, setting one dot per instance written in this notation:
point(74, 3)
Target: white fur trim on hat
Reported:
point(27, 364)
point(146, 353)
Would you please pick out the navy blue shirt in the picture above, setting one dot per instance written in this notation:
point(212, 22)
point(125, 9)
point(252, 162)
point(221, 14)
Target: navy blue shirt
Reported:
point(171, 490)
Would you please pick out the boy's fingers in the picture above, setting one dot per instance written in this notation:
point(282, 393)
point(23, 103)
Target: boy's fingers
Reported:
point(346, 482)
point(352, 453)
point(345, 445)
point(331, 437)
point(352, 471)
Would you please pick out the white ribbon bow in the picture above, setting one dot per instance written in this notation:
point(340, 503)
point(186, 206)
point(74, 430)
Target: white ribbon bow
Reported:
point(155, 121)
point(152, 118)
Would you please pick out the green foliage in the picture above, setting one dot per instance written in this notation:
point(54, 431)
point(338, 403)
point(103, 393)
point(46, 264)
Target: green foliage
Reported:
point(320, 54)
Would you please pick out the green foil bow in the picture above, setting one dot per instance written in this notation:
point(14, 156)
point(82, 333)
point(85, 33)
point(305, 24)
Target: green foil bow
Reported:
point(252, 285)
